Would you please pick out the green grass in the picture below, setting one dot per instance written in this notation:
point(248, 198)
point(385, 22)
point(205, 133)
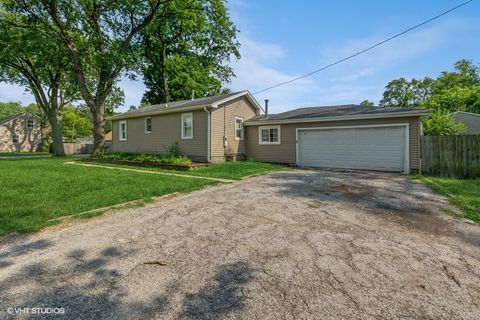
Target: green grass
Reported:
point(35, 193)
point(462, 193)
point(20, 154)
point(226, 170)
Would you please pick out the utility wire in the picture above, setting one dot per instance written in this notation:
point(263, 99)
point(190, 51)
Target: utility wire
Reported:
point(367, 49)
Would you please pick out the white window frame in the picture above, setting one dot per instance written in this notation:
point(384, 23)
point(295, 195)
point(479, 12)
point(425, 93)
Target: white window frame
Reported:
point(269, 128)
point(146, 130)
point(15, 138)
point(120, 130)
point(182, 127)
point(242, 128)
point(32, 123)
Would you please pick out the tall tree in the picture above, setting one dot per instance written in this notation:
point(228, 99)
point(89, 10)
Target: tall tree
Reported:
point(102, 38)
point(75, 123)
point(37, 62)
point(406, 94)
point(188, 51)
point(8, 109)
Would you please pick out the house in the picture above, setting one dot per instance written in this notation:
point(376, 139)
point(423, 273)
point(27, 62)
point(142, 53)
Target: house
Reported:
point(470, 120)
point(21, 133)
point(232, 126)
point(108, 142)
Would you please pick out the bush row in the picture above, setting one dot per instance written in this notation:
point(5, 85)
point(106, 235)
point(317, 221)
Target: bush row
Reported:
point(151, 158)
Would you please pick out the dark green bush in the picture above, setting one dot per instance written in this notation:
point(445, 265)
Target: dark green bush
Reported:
point(154, 158)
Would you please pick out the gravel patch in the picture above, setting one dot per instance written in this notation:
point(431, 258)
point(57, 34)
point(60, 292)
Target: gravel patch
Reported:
point(300, 244)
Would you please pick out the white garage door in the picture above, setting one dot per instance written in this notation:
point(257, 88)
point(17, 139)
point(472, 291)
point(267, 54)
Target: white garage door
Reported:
point(365, 148)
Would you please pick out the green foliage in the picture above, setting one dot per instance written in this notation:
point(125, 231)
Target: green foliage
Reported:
point(172, 150)
point(188, 50)
point(151, 158)
point(440, 123)
point(406, 94)
point(367, 103)
point(8, 109)
point(455, 99)
point(75, 124)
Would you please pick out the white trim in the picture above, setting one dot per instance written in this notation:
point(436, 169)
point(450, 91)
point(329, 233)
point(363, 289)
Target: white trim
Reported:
point(209, 133)
point(338, 118)
point(238, 95)
point(181, 119)
point(406, 163)
point(260, 128)
point(120, 130)
point(145, 125)
point(242, 128)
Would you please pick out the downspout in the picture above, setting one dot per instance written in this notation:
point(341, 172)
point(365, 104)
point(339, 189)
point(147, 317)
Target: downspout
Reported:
point(208, 134)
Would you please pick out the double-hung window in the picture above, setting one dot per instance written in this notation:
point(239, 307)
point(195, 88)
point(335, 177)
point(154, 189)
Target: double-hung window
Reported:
point(29, 123)
point(122, 126)
point(238, 128)
point(269, 135)
point(187, 125)
point(148, 125)
point(14, 138)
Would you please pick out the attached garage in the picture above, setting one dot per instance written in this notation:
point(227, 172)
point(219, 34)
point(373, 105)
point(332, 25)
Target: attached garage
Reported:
point(382, 147)
point(343, 137)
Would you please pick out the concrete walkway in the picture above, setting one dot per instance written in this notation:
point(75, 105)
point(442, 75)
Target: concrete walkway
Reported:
point(151, 172)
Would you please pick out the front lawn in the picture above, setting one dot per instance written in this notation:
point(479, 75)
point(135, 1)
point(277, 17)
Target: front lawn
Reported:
point(20, 154)
point(35, 191)
point(234, 170)
point(463, 193)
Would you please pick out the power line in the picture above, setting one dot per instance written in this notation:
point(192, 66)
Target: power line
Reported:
point(367, 49)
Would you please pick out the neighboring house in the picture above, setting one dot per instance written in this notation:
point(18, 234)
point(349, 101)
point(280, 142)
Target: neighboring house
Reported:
point(470, 120)
point(21, 133)
point(231, 126)
point(108, 142)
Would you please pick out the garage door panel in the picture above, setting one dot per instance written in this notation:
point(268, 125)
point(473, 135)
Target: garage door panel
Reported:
point(373, 148)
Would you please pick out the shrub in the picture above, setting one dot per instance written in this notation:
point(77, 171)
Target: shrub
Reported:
point(151, 158)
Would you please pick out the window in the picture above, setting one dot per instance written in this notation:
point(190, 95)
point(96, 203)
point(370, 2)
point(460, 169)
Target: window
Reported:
point(238, 128)
point(123, 130)
point(14, 138)
point(30, 123)
point(187, 125)
point(269, 135)
point(148, 125)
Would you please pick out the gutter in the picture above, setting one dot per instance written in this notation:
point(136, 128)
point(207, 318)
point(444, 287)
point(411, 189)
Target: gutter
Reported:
point(421, 113)
point(209, 119)
point(153, 113)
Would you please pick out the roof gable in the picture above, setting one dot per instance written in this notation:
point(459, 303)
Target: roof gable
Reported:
point(2, 122)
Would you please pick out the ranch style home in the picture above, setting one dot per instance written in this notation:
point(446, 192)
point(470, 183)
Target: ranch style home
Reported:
point(234, 126)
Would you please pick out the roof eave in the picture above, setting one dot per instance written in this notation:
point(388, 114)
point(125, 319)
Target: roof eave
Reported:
point(421, 113)
point(157, 112)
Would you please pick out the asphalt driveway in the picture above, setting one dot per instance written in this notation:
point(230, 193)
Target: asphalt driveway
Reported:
point(287, 245)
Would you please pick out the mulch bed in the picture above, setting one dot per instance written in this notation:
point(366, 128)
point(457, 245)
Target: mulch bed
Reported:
point(192, 166)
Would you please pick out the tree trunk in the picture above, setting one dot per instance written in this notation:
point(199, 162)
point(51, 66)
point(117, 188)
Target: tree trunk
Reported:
point(98, 128)
point(164, 75)
point(57, 137)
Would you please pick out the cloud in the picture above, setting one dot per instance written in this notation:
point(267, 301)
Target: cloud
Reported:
point(257, 70)
point(11, 92)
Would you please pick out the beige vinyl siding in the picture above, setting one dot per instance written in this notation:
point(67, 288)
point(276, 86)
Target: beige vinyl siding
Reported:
point(166, 130)
point(471, 122)
point(223, 124)
point(286, 151)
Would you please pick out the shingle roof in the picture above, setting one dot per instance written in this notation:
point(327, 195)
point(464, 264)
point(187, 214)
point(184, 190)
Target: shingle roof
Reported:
point(331, 111)
point(207, 101)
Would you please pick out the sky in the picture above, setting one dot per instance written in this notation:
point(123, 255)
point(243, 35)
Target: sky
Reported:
point(281, 40)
